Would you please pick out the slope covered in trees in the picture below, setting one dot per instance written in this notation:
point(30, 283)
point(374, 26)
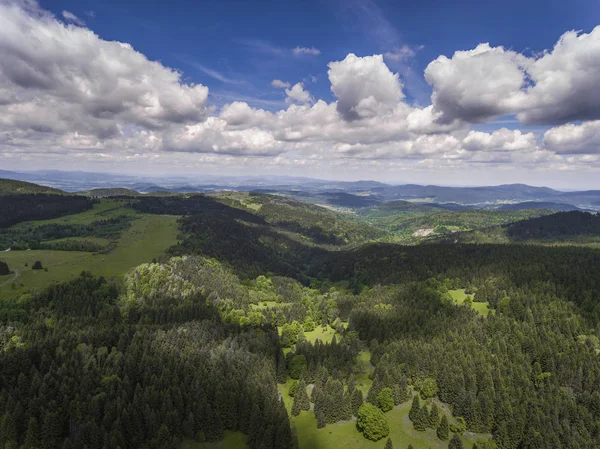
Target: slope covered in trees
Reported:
point(245, 326)
point(39, 206)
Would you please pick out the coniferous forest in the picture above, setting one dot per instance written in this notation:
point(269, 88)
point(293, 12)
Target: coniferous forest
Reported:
point(242, 326)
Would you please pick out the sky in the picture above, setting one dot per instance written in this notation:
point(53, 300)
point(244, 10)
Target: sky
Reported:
point(453, 93)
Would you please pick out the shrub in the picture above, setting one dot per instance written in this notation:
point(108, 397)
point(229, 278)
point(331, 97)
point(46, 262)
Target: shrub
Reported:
point(37, 265)
point(385, 399)
point(429, 388)
point(371, 422)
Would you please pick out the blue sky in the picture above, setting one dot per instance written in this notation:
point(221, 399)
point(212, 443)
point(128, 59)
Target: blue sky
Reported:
point(249, 43)
point(446, 92)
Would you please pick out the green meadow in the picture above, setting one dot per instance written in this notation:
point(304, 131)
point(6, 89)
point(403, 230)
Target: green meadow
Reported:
point(459, 296)
point(148, 237)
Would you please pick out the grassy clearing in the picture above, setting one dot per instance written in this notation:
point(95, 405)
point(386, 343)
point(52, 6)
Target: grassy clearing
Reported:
point(232, 440)
point(364, 371)
point(344, 434)
point(101, 211)
point(324, 335)
point(459, 296)
point(147, 238)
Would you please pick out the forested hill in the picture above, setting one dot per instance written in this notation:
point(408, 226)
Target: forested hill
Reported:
point(11, 187)
point(559, 226)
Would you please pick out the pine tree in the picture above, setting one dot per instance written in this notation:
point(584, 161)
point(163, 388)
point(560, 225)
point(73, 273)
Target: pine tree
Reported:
point(32, 437)
point(415, 409)
point(388, 444)
point(301, 400)
point(443, 429)
point(357, 400)
point(320, 419)
point(420, 422)
point(455, 442)
point(434, 417)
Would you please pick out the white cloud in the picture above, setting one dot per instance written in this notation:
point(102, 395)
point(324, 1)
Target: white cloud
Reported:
point(278, 84)
point(301, 51)
point(476, 85)
point(556, 87)
point(66, 93)
point(69, 16)
point(574, 139)
point(64, 78)
point(364, 86)
point(297, 94)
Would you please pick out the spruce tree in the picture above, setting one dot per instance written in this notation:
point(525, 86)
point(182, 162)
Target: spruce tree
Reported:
point(357, 400)
point(420, 421)
point(434, 417)
point(455, 442)
point(32, 437)
point(415, 409)
point(388, 444)
point(301, 400)
point(443, 429)
point(320, 419)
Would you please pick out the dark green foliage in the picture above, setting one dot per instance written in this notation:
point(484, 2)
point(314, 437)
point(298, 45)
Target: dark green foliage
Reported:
point(301, 400)
point(385, 399)
point(18, 208)
point(455, 442)
point(415, 409)
point(371, 422)
point(559, 226)
point(37, 265)
point(357, 400)
point(92, 372)
point(421, 419)
point(297, 366)
point(36, 237)
point(443, 430)
point(4, 270)
point(434, 417)
point(389, 444)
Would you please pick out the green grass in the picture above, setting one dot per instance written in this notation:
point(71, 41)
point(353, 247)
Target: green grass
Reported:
point(344, 434)
point(363, 372)
point(232, 440)
point(325, 336)
point(147, 238)
point(459, 296)
point(101, 211)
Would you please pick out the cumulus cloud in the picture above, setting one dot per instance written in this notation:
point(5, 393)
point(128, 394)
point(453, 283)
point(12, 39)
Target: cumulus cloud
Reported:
point(476, 85)
point(364, 86)
point(297, 94)
point(66, 78)
point(301, 51)
point(278, 84)
point(555, 87)
point(574, 139)
point(65, 92)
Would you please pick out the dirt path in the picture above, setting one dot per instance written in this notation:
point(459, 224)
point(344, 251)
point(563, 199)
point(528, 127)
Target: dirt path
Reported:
point(17, 273)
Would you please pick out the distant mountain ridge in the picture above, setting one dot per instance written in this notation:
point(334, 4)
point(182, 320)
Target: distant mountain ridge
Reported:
point(342, 194)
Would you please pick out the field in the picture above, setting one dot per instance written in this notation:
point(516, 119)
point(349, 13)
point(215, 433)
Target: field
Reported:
point(459, 296)
point(148, 237)
point(344, 434)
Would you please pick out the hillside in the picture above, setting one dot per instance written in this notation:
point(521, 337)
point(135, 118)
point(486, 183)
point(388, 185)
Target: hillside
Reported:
point(321, 225)
point(249, 309)
point(11, 187)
